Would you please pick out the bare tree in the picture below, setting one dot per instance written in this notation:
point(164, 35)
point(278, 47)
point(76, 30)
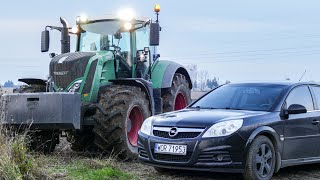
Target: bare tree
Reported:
point(202, 77)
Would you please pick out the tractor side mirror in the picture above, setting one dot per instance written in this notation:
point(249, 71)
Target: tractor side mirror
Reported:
point(45, 41)
point(154, 34)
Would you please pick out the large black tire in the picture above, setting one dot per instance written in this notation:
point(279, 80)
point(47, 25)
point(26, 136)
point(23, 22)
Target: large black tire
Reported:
point(82, 141)
point(114, 132)
point(178, 96)
point(260, 164)
point(43, 141)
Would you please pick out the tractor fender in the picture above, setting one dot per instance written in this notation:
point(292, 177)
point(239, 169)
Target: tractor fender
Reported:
point(33, 81)
point(146, 86)
point(163, 72)
point(273, 136)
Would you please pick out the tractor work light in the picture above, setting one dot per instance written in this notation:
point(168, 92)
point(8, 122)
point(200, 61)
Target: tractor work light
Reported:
point(128, 26)
point(157, 8)
point(82, 19)
point(126, 14)
point(74, 30)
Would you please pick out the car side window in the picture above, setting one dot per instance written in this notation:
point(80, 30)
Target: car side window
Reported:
point(316, 92)
point(300, 95)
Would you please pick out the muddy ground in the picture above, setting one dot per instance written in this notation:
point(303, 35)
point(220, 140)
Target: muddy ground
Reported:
point(304, 172)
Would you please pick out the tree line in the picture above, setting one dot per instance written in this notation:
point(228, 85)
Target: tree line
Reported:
point(204, 82)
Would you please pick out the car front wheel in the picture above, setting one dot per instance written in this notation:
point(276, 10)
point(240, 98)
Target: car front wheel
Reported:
point(261, 160)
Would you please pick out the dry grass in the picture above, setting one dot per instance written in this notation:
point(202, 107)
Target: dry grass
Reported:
point(15, 162)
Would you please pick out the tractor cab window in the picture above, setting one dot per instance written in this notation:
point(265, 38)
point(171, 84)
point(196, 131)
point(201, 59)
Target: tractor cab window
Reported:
point(142, 38)
point(105, 36)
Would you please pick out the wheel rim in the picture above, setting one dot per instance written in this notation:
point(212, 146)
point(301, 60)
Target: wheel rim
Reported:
point(264, 160)
point(180, 101)
point(134, 123)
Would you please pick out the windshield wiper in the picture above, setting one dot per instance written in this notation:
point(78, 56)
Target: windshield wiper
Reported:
point(199, 107)
point(229, 108)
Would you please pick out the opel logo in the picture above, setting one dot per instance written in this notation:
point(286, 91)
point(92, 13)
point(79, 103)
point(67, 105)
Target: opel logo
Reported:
point(173, 132)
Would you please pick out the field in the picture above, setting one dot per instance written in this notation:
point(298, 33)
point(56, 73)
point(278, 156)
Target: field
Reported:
point(65, 164)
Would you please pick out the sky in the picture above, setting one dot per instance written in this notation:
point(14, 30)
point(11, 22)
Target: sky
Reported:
point(236, 40)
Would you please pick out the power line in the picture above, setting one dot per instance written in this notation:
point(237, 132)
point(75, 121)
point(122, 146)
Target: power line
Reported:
point(255, 59)
point(213, 56)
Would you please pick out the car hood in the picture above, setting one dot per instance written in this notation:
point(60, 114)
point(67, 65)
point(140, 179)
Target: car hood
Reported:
point(201, 118)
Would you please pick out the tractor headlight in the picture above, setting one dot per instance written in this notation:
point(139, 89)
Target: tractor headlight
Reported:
point(146, 126)
point(128, 26)
point(223, 128)
point(76, 86)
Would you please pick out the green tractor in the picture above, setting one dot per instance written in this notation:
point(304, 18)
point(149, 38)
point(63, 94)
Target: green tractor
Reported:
point(99, 96)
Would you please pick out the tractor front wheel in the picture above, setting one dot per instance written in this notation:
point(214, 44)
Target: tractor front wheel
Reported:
point(178, 96)
point(122, 112)
point(43, 141)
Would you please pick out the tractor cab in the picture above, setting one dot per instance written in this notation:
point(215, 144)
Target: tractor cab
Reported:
point(131, 42)
point(129, 39)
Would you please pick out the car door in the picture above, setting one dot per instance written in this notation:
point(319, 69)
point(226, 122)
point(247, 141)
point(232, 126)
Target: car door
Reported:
point(315, 90)
point(301, 133)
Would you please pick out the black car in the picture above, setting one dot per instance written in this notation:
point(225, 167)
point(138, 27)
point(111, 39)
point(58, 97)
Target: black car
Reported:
point(249, 128)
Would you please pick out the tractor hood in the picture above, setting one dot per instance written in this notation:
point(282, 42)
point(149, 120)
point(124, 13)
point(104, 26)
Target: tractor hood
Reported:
point(65, 68)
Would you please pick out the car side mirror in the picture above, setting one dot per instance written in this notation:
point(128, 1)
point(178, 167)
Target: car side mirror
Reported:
point(45, 40)
point(154, 34)
point(296, 109)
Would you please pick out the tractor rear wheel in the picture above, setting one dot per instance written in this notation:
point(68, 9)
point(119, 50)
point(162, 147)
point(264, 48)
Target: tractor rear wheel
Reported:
point(178, 96)
point(122, 112)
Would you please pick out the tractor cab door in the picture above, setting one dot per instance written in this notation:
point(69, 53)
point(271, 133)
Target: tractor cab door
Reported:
point(143, 55)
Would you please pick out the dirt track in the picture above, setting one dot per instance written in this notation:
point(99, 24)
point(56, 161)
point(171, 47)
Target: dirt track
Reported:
point(305, 172)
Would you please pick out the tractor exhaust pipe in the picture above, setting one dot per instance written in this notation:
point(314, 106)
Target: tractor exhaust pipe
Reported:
point(65, 38)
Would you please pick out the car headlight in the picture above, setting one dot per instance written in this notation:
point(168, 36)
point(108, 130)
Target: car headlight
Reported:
point(146, 126)
point(76, 86)
point(223, 128)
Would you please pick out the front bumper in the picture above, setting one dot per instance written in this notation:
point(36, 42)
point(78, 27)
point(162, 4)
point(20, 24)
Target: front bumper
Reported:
point(202, 153)
point(52, 110)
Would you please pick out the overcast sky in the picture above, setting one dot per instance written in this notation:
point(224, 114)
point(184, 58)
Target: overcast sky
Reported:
point(236, 40)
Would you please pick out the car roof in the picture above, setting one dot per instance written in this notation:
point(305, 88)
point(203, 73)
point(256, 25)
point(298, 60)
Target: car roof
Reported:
point(283, 83)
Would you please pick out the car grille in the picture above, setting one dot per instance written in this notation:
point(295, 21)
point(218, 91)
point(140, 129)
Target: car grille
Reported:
point(182, 133)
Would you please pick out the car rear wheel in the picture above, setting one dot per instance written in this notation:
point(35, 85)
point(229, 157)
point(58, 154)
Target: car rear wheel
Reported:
point(261, 160)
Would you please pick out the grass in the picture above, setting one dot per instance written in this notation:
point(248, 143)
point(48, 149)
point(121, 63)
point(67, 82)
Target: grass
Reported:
point(83, 171)
point(16, 163)
point(81, 168)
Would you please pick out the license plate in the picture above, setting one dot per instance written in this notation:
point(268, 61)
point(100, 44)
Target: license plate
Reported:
point(170, 149)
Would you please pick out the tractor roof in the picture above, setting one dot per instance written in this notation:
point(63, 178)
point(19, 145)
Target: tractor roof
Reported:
point(113, 17)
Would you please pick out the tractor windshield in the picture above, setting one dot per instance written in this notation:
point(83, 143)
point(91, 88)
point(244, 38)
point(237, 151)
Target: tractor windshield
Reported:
point(104, 36)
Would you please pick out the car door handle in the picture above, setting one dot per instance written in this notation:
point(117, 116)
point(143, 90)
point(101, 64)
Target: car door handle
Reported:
point(315, 122)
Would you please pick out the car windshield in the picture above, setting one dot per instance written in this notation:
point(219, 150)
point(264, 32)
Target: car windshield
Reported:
point(104, 36)
point(252, 97)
